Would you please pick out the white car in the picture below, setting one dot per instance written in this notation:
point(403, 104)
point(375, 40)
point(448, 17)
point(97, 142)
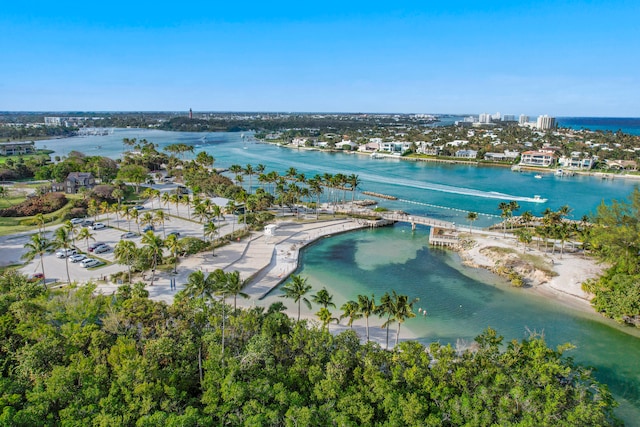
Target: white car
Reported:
point(98, 225)
point(90, 262)
point(101, 249)
point(63, 253)
point(77, 258)
point(77, 220)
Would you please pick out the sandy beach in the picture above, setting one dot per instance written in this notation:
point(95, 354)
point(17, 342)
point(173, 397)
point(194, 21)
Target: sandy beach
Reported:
point(570, 269)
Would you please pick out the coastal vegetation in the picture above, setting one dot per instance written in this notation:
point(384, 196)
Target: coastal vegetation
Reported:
point(615, 238)
point(73, 357)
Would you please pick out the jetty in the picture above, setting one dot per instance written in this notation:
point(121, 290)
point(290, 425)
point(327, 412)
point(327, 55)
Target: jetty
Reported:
point(379, 195)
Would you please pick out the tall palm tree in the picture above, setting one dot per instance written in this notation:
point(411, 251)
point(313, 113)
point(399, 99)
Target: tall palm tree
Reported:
point(72, 230)
point(86, 234)
point(199, 286)
point(249, 171)
point(148, 219)
point(367, 308)
point(135, 215)
point(37, 246)
point(350, 309)
point(231, 209)
point(126, 253)
point(41, 221)
point(125, 211)
point(403, 311)
point(506, 213)
point(166, 200)
point(471, 217)
point(354, 182)
point(386, 308)
point(61, 241)
point(326, 317)
point(235, 285)
point(323, 298)
point(296, 290)
point(160, 218)
point(210, 231)
point(154, 245)
point(173, 244)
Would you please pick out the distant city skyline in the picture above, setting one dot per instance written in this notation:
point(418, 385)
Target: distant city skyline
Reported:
point(557, 58)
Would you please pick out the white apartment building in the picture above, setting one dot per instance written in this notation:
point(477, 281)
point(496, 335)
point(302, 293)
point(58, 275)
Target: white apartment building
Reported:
point(523, 119)
point(545, 122)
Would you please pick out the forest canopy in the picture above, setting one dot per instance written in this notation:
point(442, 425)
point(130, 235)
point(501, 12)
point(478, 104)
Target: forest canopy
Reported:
point(70, 357)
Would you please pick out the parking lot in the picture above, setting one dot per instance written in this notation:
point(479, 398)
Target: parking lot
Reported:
point(55, 269)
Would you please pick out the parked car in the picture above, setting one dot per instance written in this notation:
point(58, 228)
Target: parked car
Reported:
point(36, 276)
point(76, 220)
point(77, 258)
point(138, 208)
point(90, 262)
point(99, 225)
point(129, 235)
point(148, 228)
point(174, 233)
point(63, 253)
point(94, 245)
point(102, 249)
point(87, 223)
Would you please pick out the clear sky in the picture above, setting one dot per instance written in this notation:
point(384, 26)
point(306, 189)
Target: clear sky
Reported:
point(563, 58)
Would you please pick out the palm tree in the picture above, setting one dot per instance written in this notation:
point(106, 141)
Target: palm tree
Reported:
point(323, 298)
point(173, 244)
point(61, 241)
point(354, 182)
point(386, 308)
point(166, 200)
point(249, 171)
point(296, 290)
point(506, 213)
point(350, 309)
point(236, 170)
point(125, 211)
point(72, 230)
point(326, 317)
point(135, 215)
point(471, 217)
point(210, 231)
point(367, 308)
point(231, 209)
point(37, 247)
point(403, 311)
point(154, 245)
point(199, 286)
point(41, 221)
point(235, 286)
point(126, 252)
point(148, 219)
point(86, 234)
point(160, 218)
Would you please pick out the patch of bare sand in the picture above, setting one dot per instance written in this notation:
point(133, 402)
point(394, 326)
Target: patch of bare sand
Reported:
point(570, 270)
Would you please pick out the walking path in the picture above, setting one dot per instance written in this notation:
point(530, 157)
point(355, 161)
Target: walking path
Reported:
point(266, 259)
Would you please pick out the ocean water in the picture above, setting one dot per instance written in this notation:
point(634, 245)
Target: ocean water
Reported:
point(461, 302)
point(630, 125)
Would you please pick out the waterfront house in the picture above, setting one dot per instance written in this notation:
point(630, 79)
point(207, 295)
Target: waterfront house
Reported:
point(577, 160)
point(537, 158)
point(77, 180)
point(467, 154)
point(17, 148)
point(506, 156)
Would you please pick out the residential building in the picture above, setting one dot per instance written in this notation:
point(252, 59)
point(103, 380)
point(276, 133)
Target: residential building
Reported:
point(17, 148)
point(502, 157)
point(467, 154)
point(537, 158)
point(545, 122)
point(77, 180)
point(577, 160)
point(523, 119)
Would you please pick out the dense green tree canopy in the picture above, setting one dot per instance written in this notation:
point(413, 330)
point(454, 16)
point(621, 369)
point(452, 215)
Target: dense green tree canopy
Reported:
point(71, 357)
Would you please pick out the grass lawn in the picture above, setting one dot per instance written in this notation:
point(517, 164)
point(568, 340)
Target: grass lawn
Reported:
point(12, 225)
point(41, 154)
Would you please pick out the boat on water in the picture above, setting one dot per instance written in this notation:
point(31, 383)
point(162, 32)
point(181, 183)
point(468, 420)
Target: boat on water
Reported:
point(538, 199)
point(537, 176)
point(516, 168)
point(559, 172)
point(376, 155)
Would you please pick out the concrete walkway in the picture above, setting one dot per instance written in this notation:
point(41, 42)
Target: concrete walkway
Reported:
point(266, 259)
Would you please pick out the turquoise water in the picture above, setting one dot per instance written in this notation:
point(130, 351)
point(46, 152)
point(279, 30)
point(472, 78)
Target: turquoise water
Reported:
point(461, 302)
point(630, 125)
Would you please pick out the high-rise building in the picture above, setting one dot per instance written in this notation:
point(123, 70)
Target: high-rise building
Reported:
point(545, 122)
point(523, 120)
point(508, 118)
point(484, 118)
point(190, 113)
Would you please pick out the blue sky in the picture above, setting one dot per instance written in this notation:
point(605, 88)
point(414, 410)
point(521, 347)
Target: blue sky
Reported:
point(563, 58)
